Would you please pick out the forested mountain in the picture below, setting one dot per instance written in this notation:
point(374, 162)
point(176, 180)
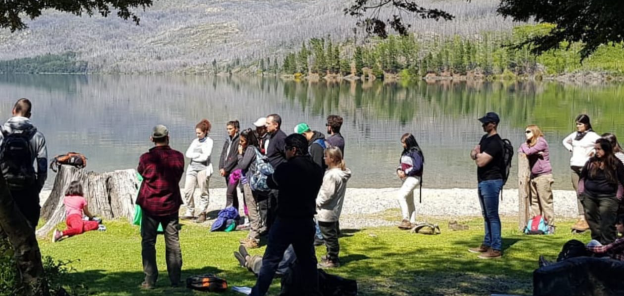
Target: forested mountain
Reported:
point(193, 35)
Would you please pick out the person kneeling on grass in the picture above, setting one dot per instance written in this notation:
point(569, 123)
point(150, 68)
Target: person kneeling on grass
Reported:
point(594, 248)
point(329, 203)
point(75, 207)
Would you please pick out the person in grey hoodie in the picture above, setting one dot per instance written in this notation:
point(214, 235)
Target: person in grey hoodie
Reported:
point(329, 203)
point(26, 196)
point(536, 150)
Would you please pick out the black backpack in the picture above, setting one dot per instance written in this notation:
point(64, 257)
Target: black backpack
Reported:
point(16, 161)
point(508, 153)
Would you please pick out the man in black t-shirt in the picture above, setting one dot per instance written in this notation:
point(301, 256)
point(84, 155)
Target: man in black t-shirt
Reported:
point(488, 156)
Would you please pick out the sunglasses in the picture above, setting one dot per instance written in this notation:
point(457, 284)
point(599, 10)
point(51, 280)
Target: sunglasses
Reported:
point(288, 148)
point(527, 132)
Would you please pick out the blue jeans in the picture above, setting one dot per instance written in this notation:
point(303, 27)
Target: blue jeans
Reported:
point(489, 192)
point(300, 234)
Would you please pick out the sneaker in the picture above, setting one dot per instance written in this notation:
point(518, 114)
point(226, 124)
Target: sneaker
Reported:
point(551, 229)
point(405, 225)
point(102, 227)
point(240, 258)
point(57, 235)
point(251, 244)
point(243, 251)
point(491, 254)
point(480, 249)
point(580, 225)
point(146, 286)
point(201, 218)
point(318, 242)
point(329, 263)
point(543, 262)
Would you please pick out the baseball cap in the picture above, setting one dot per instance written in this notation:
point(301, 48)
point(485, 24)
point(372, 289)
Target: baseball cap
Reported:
point(260, 122)
point(490, 117)
point(160, 131)
point(302, 128)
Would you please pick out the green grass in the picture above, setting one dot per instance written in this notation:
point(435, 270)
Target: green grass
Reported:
point(384, 261)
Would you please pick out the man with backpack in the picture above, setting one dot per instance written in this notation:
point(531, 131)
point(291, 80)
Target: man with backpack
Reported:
point(489, 158)
point(316, 143)
point(24, 159)
point(275, 153)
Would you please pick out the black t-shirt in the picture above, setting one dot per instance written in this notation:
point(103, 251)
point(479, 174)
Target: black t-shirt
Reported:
point(493, 146)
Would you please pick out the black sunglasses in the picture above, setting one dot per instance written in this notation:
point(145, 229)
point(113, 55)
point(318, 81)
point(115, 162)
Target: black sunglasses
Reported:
point(527, 132)
point(288, 148)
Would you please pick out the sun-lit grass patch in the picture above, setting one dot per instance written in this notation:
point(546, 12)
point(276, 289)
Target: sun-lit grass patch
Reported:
point(384, 260)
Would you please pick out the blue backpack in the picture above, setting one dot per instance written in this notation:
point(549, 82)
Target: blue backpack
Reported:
point(258, 180)
point(536, 225)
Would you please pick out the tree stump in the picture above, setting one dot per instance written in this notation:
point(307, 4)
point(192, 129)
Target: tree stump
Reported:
point(109, 195)
point(524, 190)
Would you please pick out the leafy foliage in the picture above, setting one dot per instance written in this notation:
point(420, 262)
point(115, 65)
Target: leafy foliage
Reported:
point(55, 273)
point(11, 12)
point(593, 22)
point(374, 24)
point(49, 63)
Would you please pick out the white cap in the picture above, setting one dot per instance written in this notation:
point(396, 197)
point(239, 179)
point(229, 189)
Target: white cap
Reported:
point(260, 122)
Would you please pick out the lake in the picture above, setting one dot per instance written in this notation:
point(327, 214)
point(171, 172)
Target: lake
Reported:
point(109, 118)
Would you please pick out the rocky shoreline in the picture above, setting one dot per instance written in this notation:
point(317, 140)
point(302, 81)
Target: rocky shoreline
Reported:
point(368, 207)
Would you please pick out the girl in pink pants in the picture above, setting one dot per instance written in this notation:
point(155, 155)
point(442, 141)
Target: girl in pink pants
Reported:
point(75, 206)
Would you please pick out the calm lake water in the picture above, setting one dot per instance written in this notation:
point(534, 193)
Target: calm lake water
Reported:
point(109, 118)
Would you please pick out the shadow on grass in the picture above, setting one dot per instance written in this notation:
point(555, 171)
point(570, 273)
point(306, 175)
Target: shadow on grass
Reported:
point(102, 282)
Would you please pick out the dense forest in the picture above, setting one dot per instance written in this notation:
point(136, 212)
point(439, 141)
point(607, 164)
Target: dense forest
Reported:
point(415, 56)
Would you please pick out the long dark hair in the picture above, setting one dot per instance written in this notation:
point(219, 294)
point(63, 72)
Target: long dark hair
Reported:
point(411, 145)
point(250, 137)
point(609, 162)
point(614, 142)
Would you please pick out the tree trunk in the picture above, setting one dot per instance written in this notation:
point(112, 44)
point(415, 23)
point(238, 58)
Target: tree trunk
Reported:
point(524, 191)
point(109, 195)
point(23, 241)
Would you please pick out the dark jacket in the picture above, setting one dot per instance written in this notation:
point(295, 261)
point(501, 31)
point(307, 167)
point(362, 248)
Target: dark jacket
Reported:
point(229, 161)
point(161, 169)
point(298, 181)
point(275, 151)
point(336, 140)
point(317, 152)
point(247, 161)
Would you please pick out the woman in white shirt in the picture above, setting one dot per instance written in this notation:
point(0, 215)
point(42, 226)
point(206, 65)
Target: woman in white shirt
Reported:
point(581, 144)
point(198, 172)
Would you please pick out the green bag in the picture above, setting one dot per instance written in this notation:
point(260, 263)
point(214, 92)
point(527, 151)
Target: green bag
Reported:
point(138, 212)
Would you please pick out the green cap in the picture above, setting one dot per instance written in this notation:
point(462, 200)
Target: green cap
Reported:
point(302, 128)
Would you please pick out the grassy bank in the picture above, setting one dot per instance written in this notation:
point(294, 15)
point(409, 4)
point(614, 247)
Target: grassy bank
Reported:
point(384, 261)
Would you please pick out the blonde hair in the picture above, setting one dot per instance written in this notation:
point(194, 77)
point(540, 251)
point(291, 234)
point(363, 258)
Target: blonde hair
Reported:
point(537, 133)
point(335, 155)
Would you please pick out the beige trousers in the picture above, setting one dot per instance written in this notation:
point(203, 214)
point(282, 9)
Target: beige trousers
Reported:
point(542, 198)
point(193, 180)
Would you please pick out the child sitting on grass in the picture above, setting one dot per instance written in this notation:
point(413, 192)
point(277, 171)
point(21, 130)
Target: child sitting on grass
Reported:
point(75, 206)
point(329, 204)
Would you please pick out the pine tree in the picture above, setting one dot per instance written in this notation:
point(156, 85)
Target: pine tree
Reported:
point(262, 66)
point(302, 59)
point(359, 60)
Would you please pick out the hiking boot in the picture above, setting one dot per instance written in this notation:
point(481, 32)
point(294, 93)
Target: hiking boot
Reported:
point(580, 225)
point(329, 263)
point(251, 244)
point(480, 249)
point(491, 254)
point(543, 262)
point(57, 235)
point(201, 218)
point(405, 225)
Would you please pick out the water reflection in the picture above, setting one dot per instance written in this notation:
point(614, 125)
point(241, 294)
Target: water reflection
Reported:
point(109, 118)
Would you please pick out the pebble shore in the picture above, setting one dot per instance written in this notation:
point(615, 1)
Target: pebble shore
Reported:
point(365, 207)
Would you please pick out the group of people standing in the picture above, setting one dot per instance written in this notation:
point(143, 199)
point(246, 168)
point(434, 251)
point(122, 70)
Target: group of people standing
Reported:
point(597, 177)
point(306, 192)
